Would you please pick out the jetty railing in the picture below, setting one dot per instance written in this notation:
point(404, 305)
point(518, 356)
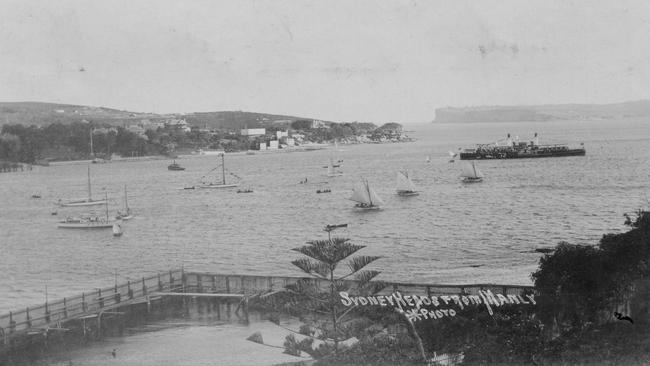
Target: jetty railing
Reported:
point(53, 314)
point(248, 284)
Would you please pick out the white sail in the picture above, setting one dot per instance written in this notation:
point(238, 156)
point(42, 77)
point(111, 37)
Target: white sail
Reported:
point(477, 172)
point(404, 183)
point(362, 193)
point(470, 170)
point(375, 200)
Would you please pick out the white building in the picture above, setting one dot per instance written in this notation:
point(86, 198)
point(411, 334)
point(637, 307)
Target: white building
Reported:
point(274, 145)
point(281, 134)
point(252, 132)
point(318, 124)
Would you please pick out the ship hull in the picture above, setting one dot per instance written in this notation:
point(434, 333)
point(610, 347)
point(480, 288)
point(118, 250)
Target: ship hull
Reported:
point(514, 154)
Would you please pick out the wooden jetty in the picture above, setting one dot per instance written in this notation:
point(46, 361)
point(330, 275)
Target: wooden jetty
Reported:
point(88, 313)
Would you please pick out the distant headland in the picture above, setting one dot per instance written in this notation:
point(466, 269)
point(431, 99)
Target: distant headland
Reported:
point(547, 112)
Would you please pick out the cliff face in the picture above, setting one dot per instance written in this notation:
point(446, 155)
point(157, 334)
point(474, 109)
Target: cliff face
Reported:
point(544, 112)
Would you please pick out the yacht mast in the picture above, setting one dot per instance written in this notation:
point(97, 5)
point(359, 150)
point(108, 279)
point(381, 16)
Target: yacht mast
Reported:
point(89, 192)
point(223, 169)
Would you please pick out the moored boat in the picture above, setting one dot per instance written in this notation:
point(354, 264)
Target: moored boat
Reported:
point(83, 202)
point(87, 222)
point(117, 228)
point(175, 166)
point(221, 184)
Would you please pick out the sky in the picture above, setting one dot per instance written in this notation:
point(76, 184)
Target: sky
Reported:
point(337, 60)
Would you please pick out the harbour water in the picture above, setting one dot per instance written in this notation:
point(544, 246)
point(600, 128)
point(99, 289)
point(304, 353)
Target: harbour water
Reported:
point(452, 233)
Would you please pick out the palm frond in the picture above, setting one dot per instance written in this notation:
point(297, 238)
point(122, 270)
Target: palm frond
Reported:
point(357, 263)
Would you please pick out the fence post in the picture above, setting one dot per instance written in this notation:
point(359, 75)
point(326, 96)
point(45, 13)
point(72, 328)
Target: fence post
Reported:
point(199, 286)
point(65, 308)
point(99, 297)
point(28, 320)
point(171, 281)
point(129, 291)
point(214, 283)
point(241, 282)
point(83, 302)
point(117, 295)
point(12, 323)
point(47, 313)
point(270, 283)
point(160, 284)
point(144, 287)
point(227, 284)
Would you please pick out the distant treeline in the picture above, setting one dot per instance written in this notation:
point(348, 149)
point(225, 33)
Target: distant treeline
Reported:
point(72, 141)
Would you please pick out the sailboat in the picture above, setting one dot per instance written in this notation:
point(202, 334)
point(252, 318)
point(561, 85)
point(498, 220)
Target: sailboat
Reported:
point(336, 151)
point(365, 196)
point(92, 222)
point(452, 156)
point(331, 172)
point(405, 186)
point(471, 174)
point(221, 184)
point(85, 202)
point(335, 161)
point(127, 214)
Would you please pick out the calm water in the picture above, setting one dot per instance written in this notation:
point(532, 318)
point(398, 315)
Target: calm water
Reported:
point(200, 339)
point(451, 233)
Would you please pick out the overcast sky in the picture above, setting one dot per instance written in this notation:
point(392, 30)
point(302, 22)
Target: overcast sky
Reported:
point(344, 60)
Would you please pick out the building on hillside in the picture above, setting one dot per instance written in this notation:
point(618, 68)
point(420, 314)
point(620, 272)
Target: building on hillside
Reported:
point(281, 134)
point(262, 145)
point(274, 145)
point(319, 124)
point(148, 124)
point(253, 132)
point(179, 124)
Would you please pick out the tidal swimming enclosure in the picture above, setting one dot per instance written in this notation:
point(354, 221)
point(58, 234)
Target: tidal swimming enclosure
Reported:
point(91, 314)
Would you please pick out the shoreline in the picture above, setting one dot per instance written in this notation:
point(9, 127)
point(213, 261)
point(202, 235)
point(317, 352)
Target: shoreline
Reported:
point(301, 148)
